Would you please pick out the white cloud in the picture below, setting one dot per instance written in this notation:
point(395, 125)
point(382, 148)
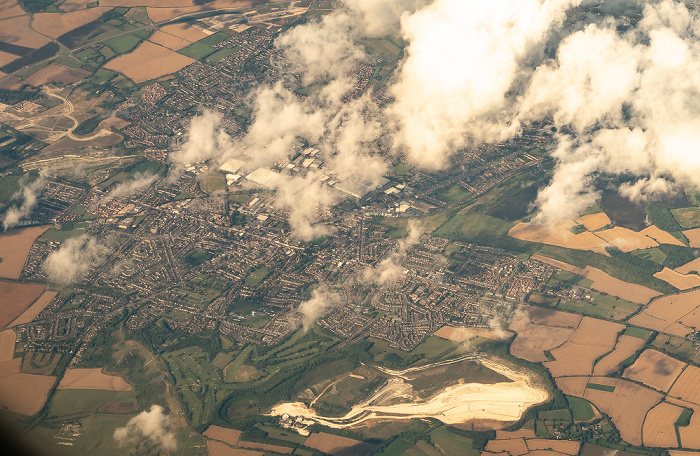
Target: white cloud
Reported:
point(74, 259)
point(139, 182)
point(152, 427)
point(322, 299)
point(26, 198)
point(389, 269)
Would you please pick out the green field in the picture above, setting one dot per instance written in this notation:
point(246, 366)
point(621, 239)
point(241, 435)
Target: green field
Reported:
point(639, 333)
point(434, 347)
point(123, 43)
point(452, 194)
point(204, 47)
point(221, 54)
point(71, 402)
point(395, 448)
point(687, 217)
point(59, 235)
point(596, 386)
point(601, 305)
point(40, 363)
point(653, 254)
point(257, 276)
point(569, 277)
point(581, 409)
point(383, 48)
point(677, 346)
point(452, 444)
point(213, 183)
point(201, 290)
point(558, 415)
point(402, 169)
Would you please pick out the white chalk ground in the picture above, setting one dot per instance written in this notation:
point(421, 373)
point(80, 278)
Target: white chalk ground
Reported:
point(456, 404)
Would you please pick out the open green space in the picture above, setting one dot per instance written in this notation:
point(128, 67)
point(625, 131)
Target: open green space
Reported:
point(570, 278)
point(383, 48)
point(204, 47)
point(212, 183)
point(74, 402)
point(558, 415)
point(123, 43)
point(452, 194)
point(452, 444)
point(596, 386)
point(395, 448)
point(257, 276)
point(581, 409)
point(653, 254)
point(601, 305)
point(677, 346)
point(219, 55)
point(40, 363)
point(684, 419)
point(639, 333)
point(200, 290)
point(402, 169)
point(687, 217)
point(434, 347)
point(61, 234)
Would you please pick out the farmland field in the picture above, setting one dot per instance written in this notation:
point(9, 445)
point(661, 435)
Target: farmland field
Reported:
point(93, 379)
point(601, 305)
point(14, 248)
point(655, 369)
point(625, 347)
point(580, 408)
point(148, 61)
point(82, 401)
point(687, 217)
point(659, 429)
point(17, 297)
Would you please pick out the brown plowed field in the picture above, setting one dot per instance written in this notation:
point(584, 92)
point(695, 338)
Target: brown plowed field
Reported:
point(604, 282)
point(515, 447)
point(661, 236)
point(693, 236)
point(7, 345)
point(594, 222)
point(16, 298)
point(14, 248)
point(669, 309)
point(25, 393)
point(215, 448)
point(17, 31)
point(93, 379)
point(573, 386)
point(10, 367)
point(337, 445)
point(690, 435)
point(525, 433)
point(10, 8)
point(627, 405)
point(531, 342)
point(35, 309)
point(559, 235)
point(626, 239)
point(626, 346)
point(655, 369)
point(55, 72)
point(55, 25)
point(687, 387)
point(149, 61)
point(560, 446)
point(6, 58)
point(659, 430)
point(692, 266)
point(229, 436)
point(678, 280)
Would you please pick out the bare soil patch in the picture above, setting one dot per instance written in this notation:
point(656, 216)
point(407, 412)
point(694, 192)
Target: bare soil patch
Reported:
point(594, 222)
point(337, 445)
point(154, 3)
point(626, 346)
point(55, 25)
point(559, 446)
point(458, 335)
point(16, 298)
point(655, 369)
point(149, 61)
point(93, 379)
point(514, 447)
point(17, 31)
point(678, 280)
point(659, 429)
point(229, 436)
point(14, 248)
point(55, 72)
point(24, 393)
point(67, 143)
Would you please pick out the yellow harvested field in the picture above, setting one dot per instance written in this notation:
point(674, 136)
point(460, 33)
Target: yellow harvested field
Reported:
point(573, 386)
point(626, 346)
point(683, 453)
point(7, 345)
point(663, 313)
point(215, 448)
point(185, 31)
point(73, 5)
point(525, 433)
point(149, 61)
point(165, 14)
point(692, 266)
point(456, 334)
point(591, 340)
point(6, 58)
point(659, 429)
point(35, 309)
point(17, 31)
point(93, 379)
point(627, 405)
point(16, 298)
point(515, 447)
point(168, 41)
point(229, 436)
point(24, 393)
point(532, 341)
point(560, 446)
point(10, 367)
point(605, 283)
point(14, 248)
point(331, 444)
point(693, 237)
point(559, 235)
point(690, 435)
point(155, 3)
point(661, 236)
point(687, 387)
point(594, 222)
point(55, 25)
point(10, 8)
point(678, 280)
point(626, 239)
point(55, 72)
point(266, 447)
point(548, 317)
point(655, 369)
